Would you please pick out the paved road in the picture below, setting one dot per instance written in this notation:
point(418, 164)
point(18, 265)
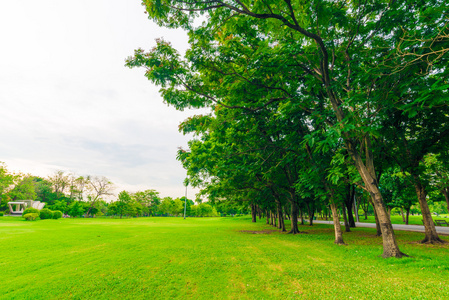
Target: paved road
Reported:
point(418, 228)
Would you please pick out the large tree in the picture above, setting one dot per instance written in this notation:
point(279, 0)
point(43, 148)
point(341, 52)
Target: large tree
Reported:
point(334, 54)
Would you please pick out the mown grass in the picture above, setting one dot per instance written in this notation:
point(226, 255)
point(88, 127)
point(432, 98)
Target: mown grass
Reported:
point(209, 258)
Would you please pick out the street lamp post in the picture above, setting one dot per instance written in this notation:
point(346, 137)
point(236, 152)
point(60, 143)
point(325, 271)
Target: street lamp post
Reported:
point(185, 202)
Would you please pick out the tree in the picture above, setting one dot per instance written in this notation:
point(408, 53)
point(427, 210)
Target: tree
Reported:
point(327, 52)
point(7, 180)
point(24, 189)
point(149, 199)
point(172, 207)
point(61, 206)
point(122, 204)
point(60, 182)
point(76, 209)
point(44, 191)
point(97, 187)
point(437, 169)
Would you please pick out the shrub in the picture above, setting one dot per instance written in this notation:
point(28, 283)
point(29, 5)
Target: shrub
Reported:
point(57, 214)
point(1, 214)
point(30, 210)
point(31, 216)
point(45, 213)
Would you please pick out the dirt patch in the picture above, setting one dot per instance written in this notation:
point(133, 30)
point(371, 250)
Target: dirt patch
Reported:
point(268, 231)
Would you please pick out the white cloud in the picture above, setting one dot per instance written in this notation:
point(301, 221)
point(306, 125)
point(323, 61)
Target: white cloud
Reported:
point(68, 102)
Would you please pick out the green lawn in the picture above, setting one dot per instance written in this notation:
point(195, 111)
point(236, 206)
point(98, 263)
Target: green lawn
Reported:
point(204, 258)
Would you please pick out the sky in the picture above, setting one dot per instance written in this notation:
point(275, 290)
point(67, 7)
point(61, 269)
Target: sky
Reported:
point(67, 102)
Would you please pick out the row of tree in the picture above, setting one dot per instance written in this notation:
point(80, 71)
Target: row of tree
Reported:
point(61, 187)
point(313, 104)
point(77, 196)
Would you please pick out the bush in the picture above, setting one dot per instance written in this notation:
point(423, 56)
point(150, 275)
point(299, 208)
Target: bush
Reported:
point(31, 216)
point(1, 214)
point(30, 210)
point(45, 213)
point(57, 214)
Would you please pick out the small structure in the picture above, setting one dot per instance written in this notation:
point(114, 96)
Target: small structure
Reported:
point(16, 208)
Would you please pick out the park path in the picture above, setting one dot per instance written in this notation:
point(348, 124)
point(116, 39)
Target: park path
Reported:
point(417, 228)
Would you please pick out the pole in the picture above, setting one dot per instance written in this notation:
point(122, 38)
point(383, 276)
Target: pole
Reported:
point(185, 203)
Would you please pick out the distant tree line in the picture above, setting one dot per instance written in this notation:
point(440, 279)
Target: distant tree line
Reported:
point(79, 196)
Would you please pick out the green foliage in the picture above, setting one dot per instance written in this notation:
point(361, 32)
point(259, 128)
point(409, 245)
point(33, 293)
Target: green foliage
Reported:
point(76, 209)
point(44, 191)
point(30, 210)
point(1, 214)
point(7, 179)
point(148, 200)
point(60, 205)
point(307, 99)
point(171, 207)
point(24, 189)
point(57, 214)
point(45, 213)
point(31, 216)
point(203, 210)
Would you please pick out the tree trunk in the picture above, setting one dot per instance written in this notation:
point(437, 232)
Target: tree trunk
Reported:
point(431, 235)
point(294, 219)
point(356, 209)
point(351, 220)
point(253, 213)
point(302, 217)
point(345, 219)
point(402, 214)
point(390, 246)
point(337, 226)
point(268, 217)
point(407, 213)
point(280, 217)
point(310, 212)
point(376, 219)
point(311, 218)
point(349, 203)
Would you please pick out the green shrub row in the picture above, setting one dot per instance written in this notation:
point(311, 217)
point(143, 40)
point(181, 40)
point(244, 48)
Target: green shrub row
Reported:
point(31, 216)
point(45, 213)
point(1, 214)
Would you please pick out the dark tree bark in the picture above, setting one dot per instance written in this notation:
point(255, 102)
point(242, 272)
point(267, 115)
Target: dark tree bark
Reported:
point(253, 213)
point(337, 226)
point(345, 218)
point(349, 203)
point(378, 229)
point(280, 217)
point(310, 212)
point(431, 235)
point(402, 214)
point(294, 219)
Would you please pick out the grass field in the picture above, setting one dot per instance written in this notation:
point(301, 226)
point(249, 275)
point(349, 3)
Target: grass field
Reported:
point(209, 258)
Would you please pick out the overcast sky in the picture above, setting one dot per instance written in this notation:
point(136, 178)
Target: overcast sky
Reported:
point(69, 103)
